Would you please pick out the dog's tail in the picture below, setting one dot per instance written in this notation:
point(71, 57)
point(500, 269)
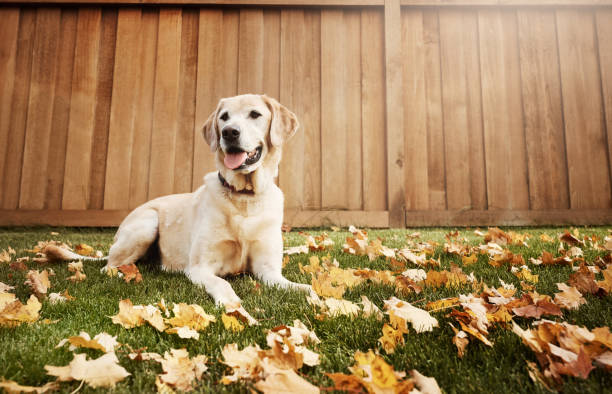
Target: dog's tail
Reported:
point(55, 253)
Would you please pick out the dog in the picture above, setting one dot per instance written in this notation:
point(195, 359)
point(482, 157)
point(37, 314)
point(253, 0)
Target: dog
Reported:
point(232, 223)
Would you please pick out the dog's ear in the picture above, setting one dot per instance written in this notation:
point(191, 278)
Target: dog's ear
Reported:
point(284, 123)
point(209, 130)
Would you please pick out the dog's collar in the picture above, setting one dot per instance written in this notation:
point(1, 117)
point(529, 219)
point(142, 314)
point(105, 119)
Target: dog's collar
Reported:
point(232, 188)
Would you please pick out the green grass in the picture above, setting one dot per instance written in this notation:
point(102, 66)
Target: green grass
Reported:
point(25, 350)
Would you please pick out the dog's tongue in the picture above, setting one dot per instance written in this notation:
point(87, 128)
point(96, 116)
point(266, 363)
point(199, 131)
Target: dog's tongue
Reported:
point(234, 160)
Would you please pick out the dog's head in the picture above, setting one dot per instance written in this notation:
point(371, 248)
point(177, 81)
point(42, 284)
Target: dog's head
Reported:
point(245, 129)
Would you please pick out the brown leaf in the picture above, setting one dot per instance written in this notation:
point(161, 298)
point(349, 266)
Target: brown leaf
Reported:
point(584, 280)
point(13, 387)
point(569, 298)
point(538, 309)
point(130, 272)
point(343, 382)
point(181, 371)
point(38, 282)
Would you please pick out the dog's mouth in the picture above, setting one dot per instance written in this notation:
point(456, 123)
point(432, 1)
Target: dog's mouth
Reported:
point(237, 159)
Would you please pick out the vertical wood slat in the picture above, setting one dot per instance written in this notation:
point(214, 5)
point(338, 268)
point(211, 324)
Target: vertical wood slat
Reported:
point(394, 114)
point(108, 39)
point(373, 110)
point(165, 104)
point(333, 111)
point(82, 110)
point(122, 117)
point(40, 109)
point(9, 33)
point(292, 58)
point(61, 110)
point(251, 51)
point(414, 123)
point(310, 115)
point(463, 139)
point(271, 49)
point(542, 105)
point(603, 18)
point(21, 91)
point(589, 171)
point(183, 164)
point(140, 157)
point(502, 111)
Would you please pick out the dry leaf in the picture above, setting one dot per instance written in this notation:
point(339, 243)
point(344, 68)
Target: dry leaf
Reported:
point(424, 384)
point(460, 340)
point(128, 316)
point(84, 250)
point(38, 282)
point(5, 288)
point(192, 316)
point(13, 387)
point(102, 341)
point(281, 381)
point(420, 319)
point(569, 298)
point(180, 371)
point(77, 277)
point(245, 363)
point(231, 323)
point(391, 337)
point(13, 312)
point(101, 372)
point(130, 272)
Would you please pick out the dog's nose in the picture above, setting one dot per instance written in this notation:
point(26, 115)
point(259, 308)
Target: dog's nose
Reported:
point(230, 134)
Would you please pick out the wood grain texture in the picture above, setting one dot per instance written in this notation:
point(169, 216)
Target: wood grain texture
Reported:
point(40, 109)
point(123, 115)
point(334, 183)
point(505, 152)
point(9, 31)
point(13, 160)
point(185, 135)
point(61, 110)
point(141, 145)
point(542, 105)
point(165, 103)
point(589, 172)
point(292, 58)
point(271, 50)
point(373, 110)
point(251, 51)
point(394, 115)
point(415, 109)
point(82, 110)
point(603, 19)
point(461, 97)
point(106, 61)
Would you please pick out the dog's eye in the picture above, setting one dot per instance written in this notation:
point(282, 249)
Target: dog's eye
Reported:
point(224, 117)
point(254, 115)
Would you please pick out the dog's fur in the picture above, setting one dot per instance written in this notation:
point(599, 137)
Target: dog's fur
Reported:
point(221, 228)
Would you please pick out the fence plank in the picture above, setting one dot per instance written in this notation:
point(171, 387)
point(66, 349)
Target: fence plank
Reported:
point(415, 110)
point(310, 115)
point(186, 106)
point(589, 179)
point(61, 110)
point(502, 111)
point(292, 57)
point(9, 32)
point(373, 111)
point(354, 133)
point(82, 110)
point(541, 90)
point(104, 91)
point(333, 111)
point(143, 123)
point(124, 98)
point(271, 48)
point(463, 138)
point(165, 103)
point(40, 109)
point(21, 91)
point(251, 51)
point(603, 19)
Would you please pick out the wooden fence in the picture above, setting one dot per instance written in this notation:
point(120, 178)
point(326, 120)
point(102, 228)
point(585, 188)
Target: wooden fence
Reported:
point(413, 112)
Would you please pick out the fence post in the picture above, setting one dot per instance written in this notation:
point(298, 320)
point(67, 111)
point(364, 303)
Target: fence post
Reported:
point(394, 114)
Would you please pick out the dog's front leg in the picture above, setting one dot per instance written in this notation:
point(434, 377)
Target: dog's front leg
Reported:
point(267, 265)
point(218, 288)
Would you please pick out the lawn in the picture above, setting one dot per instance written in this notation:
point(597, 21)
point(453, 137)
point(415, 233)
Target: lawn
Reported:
point(502, 367)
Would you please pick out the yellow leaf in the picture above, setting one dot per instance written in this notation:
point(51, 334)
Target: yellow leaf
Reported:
point(102, 341)
point(468, 260)
point(184, 332)
point(38, 282)
point(192, 316)
point(128, 316)
point(390, 338)
point(13, 387)
point(231, 323)
point(84, 250)
point(101, 372)
point(180, 371)
point(13, 312)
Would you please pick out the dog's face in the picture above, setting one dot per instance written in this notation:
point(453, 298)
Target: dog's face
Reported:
point(243, 129)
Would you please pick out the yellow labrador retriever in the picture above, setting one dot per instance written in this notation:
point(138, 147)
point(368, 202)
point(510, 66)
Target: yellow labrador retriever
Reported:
point(232, 223)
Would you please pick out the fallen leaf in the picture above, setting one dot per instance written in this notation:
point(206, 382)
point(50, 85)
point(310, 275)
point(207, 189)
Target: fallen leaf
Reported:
point(84, 250)
point(38, 282)
point(130, 272)
point(13, 312)
point(460, 340)
point(420, 319)
point(102, 341)
point(192, 316)
point(181, 371)
point(231, 323)
point(128, 316)
point(13, 387)
point(280, 381)
point(569, 297)
point(390, 338)
point(104, 371)
point(424, 384)
point(77, 277)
